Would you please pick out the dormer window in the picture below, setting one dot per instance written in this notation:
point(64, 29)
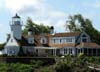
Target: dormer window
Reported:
point(83, 35)
point(84, 38)
point(30, 40)
point(43, 40)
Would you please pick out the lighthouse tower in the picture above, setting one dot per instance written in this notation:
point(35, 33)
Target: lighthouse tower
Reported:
point(16, 27)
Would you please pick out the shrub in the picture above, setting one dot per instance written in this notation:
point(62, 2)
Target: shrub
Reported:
point(3, 55)
point(36, 64)
point(45, 69)
point(80, 55)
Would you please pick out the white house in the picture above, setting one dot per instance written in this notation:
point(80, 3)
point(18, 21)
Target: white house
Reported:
point(12, 47)
point(49, 44)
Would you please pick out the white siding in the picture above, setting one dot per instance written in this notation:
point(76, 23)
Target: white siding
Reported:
point(12, 47)
point(62, 40)
point(16, 30)
point(80, 38)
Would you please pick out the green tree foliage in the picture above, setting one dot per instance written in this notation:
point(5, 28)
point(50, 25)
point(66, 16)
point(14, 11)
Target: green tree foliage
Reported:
point(36, 29)
point(79, 23)
point(2, 46)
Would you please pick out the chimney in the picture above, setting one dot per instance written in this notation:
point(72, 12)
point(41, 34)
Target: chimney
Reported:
point(29, 32)
point(51, 30)
point(30, 36)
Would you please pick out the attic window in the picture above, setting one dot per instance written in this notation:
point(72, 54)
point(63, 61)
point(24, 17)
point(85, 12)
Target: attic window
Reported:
point(84, 36)
point(11, 40)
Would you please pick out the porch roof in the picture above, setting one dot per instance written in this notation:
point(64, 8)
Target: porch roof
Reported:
point(39, 47)
point(88, 45)
point(63, 45)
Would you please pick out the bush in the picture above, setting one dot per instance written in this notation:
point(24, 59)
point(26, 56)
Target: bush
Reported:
point(62, 67)
point(36, 64)
point(72, 64)
point(3, 55)
point(81, 55)
point(2, 46)
point(45, 69)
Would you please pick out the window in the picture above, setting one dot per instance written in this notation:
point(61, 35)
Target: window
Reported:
point(36, 50)
point(17, 22)
point(54, 40)
point(84, 36)
point(43, 40)
point(69, 40)
point(60, 40)
point(11, 40)
point(11, 51)
point(84, 40)
point(30, 40)
point(65, 51)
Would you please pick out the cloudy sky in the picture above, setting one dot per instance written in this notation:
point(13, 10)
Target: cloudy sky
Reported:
point(48, 12)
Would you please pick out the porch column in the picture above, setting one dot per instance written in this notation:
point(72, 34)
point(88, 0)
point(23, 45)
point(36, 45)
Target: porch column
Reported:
point(83, 50)
point(73, 51)
point(55, 52)
point(68, 51)
point(77, 51)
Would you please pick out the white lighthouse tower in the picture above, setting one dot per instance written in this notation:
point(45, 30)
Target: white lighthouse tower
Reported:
point(16, 27)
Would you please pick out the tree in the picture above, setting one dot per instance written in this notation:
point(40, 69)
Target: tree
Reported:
point(36, 29)
point(80, 24)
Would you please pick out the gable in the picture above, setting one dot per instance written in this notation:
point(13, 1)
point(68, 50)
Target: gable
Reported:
point(12, 42)
point(83, 34)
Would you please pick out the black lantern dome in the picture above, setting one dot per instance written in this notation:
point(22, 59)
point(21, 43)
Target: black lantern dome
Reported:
point(16, 16)
point(51, 27)
point(16, 19)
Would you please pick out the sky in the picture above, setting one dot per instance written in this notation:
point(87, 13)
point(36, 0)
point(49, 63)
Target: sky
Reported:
point(48, 12)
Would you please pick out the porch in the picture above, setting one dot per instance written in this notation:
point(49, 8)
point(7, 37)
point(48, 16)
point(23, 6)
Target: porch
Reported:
point(42, 51)
point(88, 51)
